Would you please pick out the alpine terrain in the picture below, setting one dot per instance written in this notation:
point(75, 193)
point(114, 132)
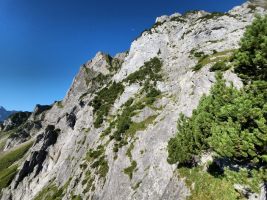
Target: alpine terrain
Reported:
point(181, 115)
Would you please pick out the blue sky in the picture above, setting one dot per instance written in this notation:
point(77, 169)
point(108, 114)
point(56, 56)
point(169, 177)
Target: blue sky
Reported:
point(44, 42)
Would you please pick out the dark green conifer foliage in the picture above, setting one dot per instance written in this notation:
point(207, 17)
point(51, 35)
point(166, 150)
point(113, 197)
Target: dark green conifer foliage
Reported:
point(231, 122)
point(251, 58)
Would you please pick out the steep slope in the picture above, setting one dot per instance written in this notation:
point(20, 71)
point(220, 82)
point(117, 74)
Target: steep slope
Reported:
point(107, 139)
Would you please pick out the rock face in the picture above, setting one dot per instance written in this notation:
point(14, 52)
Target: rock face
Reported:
point(261, 3)
point(48, 138)
point(87, 158)
point(22, 126)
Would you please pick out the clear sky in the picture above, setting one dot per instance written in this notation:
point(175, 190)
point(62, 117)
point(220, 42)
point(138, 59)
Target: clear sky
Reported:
point(44, 42)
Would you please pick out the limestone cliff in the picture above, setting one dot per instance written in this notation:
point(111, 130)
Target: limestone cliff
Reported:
point(107, 138)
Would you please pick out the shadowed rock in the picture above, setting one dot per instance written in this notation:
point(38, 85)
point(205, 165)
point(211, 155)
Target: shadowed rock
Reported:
point(38, 157)
point(71, 120)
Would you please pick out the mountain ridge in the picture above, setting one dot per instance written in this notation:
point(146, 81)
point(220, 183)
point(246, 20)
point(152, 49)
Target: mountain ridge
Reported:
point(107, 138)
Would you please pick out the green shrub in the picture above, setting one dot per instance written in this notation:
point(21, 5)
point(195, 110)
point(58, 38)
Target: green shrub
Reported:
point(178, 19)
point(104, 100)
point(212, 15)
point(124, 122)
point(198, 67)
point(76, 197)
point(219, 66)
point(130, 170)
point(150, 71)
point(153, 93)
point(199, 54)
point(59, 104)
point(229, 121)
point(251, 59)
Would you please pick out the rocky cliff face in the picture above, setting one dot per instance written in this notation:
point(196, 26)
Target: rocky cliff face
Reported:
point(107, 139)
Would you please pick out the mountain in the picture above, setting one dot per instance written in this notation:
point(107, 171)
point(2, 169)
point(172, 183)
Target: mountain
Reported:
point(109, 137)
point(4, 114)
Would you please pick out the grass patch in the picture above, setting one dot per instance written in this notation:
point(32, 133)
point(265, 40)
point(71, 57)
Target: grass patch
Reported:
point(89, 181)
point(124, 125)
point(137, 185)
point(7, 175)
point(51, 192)
point(130, 170)
point(7, 159)
point(59, 104)
point(149, 71)
point(129, 151)
point(104, 100)
point(97, 158)
point(204, 186)
point(2, 144)
point(135, 127)
point(10, 157)
point(121, 126)
point(219, 66)
point(178, 19)
point(198, 67)
point(216, 57)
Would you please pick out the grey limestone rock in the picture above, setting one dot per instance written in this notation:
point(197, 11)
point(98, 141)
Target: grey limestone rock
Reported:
point(82, 158)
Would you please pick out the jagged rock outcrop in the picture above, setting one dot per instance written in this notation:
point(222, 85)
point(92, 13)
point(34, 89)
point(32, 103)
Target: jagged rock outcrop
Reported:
point(120, 112)
point(37, 157)
point(22, 126)
point(15, 120)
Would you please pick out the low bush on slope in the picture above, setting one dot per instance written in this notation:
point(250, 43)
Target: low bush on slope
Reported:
point(105, 98)
point(251, 58)
point(230, 122)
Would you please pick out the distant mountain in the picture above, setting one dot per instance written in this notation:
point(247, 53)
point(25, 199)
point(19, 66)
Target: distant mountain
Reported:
point(4, 113)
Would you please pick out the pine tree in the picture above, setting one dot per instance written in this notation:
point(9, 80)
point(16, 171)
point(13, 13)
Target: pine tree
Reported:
point(251, 58)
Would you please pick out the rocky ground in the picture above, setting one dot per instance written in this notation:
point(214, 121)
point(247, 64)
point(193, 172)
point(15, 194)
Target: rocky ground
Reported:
point(81, 148)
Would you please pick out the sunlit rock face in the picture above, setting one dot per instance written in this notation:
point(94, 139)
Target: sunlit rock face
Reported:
point(262, 3)
point(86, 161)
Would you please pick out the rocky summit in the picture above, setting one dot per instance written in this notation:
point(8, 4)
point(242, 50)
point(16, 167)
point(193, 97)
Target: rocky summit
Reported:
point(107, 139)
